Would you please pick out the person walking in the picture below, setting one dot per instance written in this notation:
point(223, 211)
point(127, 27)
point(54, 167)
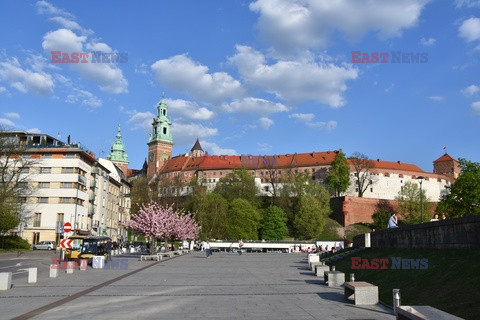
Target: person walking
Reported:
point(207, 249)
point(392, 222)
point(240, 245)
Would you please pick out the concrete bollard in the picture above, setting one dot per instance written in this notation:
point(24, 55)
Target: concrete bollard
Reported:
point(32, 275)
point(71, 265)
point(5, 280)
point(54, 270)
point(83, 264)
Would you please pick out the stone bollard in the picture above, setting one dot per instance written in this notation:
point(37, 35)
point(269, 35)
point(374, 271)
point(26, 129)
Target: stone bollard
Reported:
point(32, 275)
point(54, 270)
point(83, 264)
point(71, 265)
point(396, 300)
point(5, 280)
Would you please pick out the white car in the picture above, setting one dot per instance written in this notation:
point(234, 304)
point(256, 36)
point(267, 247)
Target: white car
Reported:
point(44, 245)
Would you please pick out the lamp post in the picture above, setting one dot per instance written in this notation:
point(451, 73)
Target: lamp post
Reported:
point(420, 180)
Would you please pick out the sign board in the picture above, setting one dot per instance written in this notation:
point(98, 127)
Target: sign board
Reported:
point(66, 243)
point(67, 227)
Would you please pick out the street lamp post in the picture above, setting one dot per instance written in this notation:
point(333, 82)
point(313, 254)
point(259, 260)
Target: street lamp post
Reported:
point(420, 180)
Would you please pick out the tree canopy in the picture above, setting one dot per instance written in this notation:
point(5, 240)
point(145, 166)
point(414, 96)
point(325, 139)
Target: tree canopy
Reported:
point(243, 220)
point(274, 225)
point(338, 179)
point(362, 167)
point(410, 206)
point(464, 196)
point(310, 217)
point(211, 214)
point(238, 184)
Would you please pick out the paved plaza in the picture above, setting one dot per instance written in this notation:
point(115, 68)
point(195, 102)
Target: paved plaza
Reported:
point(224, 286)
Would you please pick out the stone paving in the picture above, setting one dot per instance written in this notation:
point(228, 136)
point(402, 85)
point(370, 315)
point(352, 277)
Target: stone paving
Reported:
point(224, 286)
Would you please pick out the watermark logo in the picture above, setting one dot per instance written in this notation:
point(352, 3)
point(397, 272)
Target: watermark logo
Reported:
point(258, 161)
point(396, 263)
point(392, 57)
point(96, 57)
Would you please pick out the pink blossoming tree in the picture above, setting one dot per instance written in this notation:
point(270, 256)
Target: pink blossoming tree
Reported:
point(155, 221)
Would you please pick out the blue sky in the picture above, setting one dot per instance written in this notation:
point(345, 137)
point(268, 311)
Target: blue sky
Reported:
point(248, 77)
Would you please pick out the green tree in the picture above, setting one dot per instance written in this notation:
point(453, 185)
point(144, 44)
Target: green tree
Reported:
point(380, 219)
point(274, 224)
point(409, 205)
point(238, 184)
point(464, 196)
point(310, 217)
point(338, 179)
point(211, 214)
point(140, 193)
point(243, 220)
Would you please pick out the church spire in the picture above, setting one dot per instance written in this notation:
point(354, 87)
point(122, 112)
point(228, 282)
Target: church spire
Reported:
point(118, 153)
point(161, 124)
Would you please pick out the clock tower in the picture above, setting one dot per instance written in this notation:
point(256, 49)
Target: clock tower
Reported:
point(160, 143)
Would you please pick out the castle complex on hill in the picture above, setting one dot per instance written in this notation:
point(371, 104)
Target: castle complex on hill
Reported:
point(386, 178)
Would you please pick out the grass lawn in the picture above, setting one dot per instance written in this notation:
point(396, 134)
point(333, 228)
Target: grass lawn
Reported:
point(450, 283)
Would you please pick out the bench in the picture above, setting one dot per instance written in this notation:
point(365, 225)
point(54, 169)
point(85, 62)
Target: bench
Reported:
point(334, 278)
point(363, 292)
point(150, 257)
point(423, 313)
point(165, 254)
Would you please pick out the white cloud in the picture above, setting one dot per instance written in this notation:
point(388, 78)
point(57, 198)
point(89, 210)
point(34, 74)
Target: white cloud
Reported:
point(295, 81)
point(253, 105)
point(2, 89)
point(66, 23)
point(467, 3)
point(287, 24)
point(265, 123)
point(214, 149)
point(6, 123)
point(25, 80)
point(305, 117)
point(141, 68)
point(328, 125)
point(44, 7)
point(470, 90)
point(185, 75)
point(34, 130)
point(476, 107)
point(186, 134)
point(12, 115)
point(188, 109)
point(437, 98)
point(264, 147)
point(470, 29)
point(428, 42)
point(108, 76)
point(142, 120)
point(86, 98)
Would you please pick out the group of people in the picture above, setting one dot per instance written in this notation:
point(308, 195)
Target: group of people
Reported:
point(208, 251)
point(393, 221)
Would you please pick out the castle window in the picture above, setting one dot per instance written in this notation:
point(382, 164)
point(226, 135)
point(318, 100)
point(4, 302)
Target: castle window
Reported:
point(163, 112)
point(371, 189)
point(164, 130)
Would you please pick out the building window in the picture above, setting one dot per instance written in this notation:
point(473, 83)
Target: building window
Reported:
point(164, 130)
point(47, 155)
point(214, 173)
point(67, 185)
point(46, 170)
point(371, 189)
point(267, 188)
point(25, 170)
point(44, 184)
point(65, 200)
point(42, 200)
point(69, 155)
point(67, 170)
point(37, 218)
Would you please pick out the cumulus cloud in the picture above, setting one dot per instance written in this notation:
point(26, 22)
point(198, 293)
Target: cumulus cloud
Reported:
point(295, 81)
point(428, 42)
point(214, 149)
point(25, 80)
point(86, 98)
point(186, 134)
point(141, 120)
point(287, 24)
point(470, 90)
point(266, 123)
point(470, 29)
point(437, 98)
point(188, 109)
point(305, 117)
point(254, 106)
point(6, 123)
point(476, 107)
point(12, 115)
point(183, 74)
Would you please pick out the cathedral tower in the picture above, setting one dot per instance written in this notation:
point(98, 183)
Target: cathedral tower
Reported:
point(118, 155)
point(160, 143)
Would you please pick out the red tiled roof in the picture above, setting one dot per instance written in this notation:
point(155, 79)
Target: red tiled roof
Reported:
point(389, 165)
point(445, 157)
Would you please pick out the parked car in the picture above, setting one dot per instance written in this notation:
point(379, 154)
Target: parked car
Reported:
point(44, 245)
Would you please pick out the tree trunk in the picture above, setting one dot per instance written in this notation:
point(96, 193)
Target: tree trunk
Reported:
point(152, 245)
